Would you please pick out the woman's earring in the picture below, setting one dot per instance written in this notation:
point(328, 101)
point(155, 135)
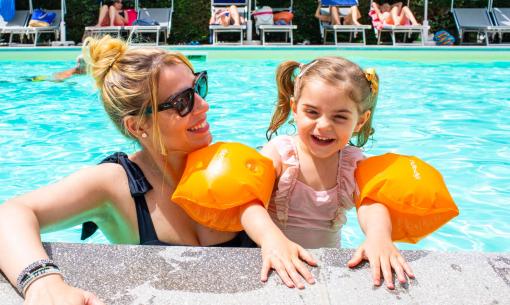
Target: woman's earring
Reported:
point(144, 135)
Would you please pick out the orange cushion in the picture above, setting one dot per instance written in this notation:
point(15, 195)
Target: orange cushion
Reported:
point(219, 180)
point(285, 16)
point(413, 191)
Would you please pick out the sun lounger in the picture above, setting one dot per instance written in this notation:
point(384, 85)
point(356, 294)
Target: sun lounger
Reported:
point(380, 27)
point(344, 7)
point(163, 16)
point(17, 25)
point(501, 18)
point(243, 9)
point(53, 28)
point(475, 20)
point(288, 29)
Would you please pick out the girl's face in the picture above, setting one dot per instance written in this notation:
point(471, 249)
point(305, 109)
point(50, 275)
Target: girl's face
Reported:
point(326, 118)
point(188, 133)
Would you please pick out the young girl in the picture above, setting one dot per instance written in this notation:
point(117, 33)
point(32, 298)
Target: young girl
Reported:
point(332, 102)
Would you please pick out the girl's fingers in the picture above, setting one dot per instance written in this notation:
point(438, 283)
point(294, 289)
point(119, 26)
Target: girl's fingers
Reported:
point(266, 266)
point(398, 269)
point(305, 273)
point(282, 272)
point(356, 258)
point(386, 270)
point(406, 266)
point(296, 278)
point(306, 256)
point(376, 271)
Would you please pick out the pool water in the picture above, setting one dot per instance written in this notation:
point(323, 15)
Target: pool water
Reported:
point(454, 115)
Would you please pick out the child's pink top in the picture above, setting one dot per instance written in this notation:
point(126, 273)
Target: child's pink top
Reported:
point(312, 218)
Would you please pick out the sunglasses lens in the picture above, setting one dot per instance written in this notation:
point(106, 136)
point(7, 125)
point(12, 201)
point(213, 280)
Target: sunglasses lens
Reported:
point(183, 104)
point(201, 85)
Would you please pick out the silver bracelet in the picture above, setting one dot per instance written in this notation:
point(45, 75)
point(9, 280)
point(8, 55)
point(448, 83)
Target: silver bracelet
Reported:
point(35, 270)
point(38, 275)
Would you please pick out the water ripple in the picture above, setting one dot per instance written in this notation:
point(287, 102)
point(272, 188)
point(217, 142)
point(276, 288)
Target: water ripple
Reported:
point(452, 115)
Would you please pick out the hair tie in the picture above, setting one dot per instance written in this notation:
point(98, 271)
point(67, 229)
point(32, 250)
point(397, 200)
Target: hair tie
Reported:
point(305, 68)
point(115, 59)
point(372, 79)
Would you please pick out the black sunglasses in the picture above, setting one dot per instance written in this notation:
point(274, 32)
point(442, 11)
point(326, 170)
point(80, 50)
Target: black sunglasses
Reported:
point(183, 102)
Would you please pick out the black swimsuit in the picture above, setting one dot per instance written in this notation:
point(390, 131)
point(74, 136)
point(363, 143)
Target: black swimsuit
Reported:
point(138, 186)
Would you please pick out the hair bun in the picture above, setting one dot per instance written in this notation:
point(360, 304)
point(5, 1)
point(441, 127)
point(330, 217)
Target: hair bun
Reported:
point(102, 54)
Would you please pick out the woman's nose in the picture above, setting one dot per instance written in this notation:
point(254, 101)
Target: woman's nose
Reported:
point(201, 105)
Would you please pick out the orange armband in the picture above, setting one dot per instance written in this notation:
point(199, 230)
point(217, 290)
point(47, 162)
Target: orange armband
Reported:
point(219, 180)
point(413, 192)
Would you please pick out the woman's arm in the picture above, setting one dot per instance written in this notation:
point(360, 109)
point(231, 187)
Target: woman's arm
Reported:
point(279, 253)
point(73, 200)
point(378, 247)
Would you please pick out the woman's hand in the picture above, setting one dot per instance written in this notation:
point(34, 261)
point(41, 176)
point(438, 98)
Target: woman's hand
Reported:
point(286, 257)
point(382, 256)
point(52, 290)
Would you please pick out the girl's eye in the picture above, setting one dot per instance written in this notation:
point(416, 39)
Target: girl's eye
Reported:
point(340, 117)
point(310, 111)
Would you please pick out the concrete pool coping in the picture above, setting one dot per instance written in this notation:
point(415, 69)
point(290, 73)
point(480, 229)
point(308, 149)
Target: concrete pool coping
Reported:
point(121, 274)
point(418, 53)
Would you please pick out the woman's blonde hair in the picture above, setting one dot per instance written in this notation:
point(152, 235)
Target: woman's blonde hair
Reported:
point(127, 79)
point(361, 86)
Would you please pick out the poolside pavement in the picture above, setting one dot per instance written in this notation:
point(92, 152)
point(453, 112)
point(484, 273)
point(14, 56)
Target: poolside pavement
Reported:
point(121, 274)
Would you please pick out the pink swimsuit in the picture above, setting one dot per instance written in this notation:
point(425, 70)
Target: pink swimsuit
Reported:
point(308, 217)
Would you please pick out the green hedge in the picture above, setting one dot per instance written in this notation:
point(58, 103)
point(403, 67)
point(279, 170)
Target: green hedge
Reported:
point(191, 17)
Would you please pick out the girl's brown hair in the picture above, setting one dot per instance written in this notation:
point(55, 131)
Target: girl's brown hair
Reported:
point(128, 79)
point(362, 87)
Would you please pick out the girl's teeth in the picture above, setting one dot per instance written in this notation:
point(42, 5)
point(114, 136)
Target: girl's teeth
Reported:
point(322, 139)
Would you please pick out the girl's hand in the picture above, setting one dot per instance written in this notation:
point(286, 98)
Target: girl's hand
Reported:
point(382, 255)
point(286, 257)
point(52, 290)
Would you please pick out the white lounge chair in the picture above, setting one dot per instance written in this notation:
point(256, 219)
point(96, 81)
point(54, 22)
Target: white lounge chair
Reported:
point(473, 20)
point(501, 18)
point(244, 11)
point(344, 7)
point(53, 28)
point(288, 29)
point(99, 31)
point(163, 16)
point(394, 30)
point(17, 25)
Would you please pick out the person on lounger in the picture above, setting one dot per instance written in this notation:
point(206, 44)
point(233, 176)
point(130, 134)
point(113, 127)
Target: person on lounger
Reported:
point(394, 14)
point(336, 16)
point(226, 16)
point(112, 14)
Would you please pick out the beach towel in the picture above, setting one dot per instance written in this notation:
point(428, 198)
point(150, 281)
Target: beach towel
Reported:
point(7, 9)
point(376, 22)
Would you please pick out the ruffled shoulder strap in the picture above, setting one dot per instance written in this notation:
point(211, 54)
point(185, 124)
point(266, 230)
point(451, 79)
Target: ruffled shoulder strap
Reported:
point(351, 156)
point(286, 148)
point(346, 183)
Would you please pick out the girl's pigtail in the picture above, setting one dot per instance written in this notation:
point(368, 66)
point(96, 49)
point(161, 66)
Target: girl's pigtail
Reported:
point(370, 102)
point(285, 81)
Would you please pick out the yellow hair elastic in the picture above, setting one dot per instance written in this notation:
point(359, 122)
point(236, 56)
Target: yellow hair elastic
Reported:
point(372, 78)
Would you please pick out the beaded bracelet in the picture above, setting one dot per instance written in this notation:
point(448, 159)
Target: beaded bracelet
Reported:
point(34, 271)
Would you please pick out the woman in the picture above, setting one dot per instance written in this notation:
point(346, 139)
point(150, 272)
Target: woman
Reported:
point(154, 97)
point(112, 14)
point(226, 16)
point(394, 14)
point(339, 16)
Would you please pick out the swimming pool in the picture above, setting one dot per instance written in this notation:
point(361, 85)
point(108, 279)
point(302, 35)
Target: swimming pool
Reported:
point(450, 108)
